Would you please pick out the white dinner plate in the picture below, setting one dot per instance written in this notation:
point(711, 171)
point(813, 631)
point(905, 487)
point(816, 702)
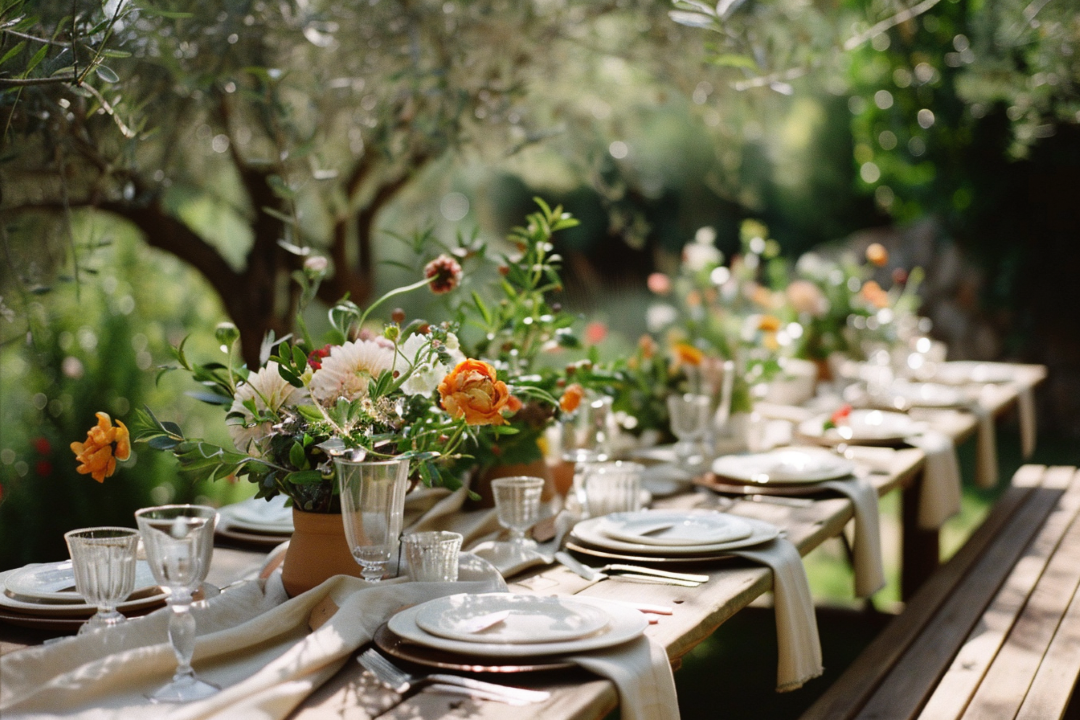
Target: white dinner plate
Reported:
point(675, 529)
point(591, 532)
point(929, 395)
point(626, 624)
point(963, 372)
point(862, 426)
point(783, 466)
point(255, 515)
point(55, 582)
point(531, 619)
point(150, 597)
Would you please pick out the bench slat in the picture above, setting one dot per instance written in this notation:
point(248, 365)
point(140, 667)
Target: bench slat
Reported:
point(1011, 674)
point(914, 676)
point(962, 679)
point(851, 691)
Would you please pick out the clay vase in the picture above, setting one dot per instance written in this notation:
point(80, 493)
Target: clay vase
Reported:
point(318, 551)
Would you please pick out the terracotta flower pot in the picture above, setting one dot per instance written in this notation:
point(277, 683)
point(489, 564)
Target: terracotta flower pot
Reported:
point(318, 551)
point(537, 468)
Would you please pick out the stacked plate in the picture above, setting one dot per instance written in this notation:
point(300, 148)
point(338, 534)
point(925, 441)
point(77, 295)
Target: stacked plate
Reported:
point(928, 395)
point(861, 427)
point(265, 523)
point(784, 471)
point(969, 372)
point(505, 632)
point(43, 595)
point(668, 536)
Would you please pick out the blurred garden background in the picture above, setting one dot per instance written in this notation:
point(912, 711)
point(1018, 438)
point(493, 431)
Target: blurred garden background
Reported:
point(170, 166)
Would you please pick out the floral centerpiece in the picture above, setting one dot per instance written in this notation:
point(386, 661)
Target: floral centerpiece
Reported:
point(522, 332)
point(841, 302)
point(371, 392)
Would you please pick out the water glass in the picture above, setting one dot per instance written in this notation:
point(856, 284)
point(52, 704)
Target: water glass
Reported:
point(517, 503)
point(103, 559)
point(372, 508)
point(690, 415)
point(432, 556)
point(585, 435)
point(179, 542)
point(612, 487)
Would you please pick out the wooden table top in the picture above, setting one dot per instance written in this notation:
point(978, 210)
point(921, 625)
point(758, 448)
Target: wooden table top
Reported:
point(698, 612)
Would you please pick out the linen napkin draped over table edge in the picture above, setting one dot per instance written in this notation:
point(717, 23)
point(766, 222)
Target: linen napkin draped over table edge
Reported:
point(866, 548)
point(797, 639)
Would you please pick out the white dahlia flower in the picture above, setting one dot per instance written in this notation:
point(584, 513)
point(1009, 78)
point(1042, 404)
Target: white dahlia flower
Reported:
point(270, 391)
point(346, 372)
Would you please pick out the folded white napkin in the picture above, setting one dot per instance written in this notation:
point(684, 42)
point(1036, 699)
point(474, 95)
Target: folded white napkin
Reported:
point(1026, 407)
point(796, 625)
point(986, 460)
point(940, 490)
point(441, 509)
point(642, 674)
point(253, 641)
point(866, 548)
point(507, 559)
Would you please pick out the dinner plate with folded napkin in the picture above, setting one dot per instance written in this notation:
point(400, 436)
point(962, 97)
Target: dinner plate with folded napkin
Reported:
point(536, 632)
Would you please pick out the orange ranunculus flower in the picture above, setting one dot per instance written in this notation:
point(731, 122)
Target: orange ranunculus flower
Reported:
point(571, 398)
point(104, 445)
point(877, 254)
point(687, 354)
point(472, 391)
point(769, 323)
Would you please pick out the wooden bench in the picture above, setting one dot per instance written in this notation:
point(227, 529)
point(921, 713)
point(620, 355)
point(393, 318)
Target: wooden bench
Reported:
point(995, 632)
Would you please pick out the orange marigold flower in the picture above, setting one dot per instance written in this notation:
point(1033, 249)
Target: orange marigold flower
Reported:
point(444, 274)
point(877, 254)
point(687, 354)
point(769, 323)
point(105, 444)
point(571, 398)
point(472, 391)
point(874, 295)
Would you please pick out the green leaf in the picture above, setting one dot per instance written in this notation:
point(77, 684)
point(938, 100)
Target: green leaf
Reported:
point(162, 442)
point(733, 60)
point(13, 52)
point(692, 19)
point(296, 455)
point(36, 60)
point(209, 397)
point(106, 73)
point(305, 477)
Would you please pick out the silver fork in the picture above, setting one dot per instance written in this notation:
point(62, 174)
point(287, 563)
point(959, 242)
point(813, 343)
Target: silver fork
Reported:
point(401, 681)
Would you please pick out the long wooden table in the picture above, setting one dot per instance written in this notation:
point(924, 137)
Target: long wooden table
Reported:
point(698, 612)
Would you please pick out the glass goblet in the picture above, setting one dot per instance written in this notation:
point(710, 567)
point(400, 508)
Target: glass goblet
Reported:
point(585, 438)
point(517, 503)
point(179, 542)
point(372, 508)
point(103, 559)
point(689, 420)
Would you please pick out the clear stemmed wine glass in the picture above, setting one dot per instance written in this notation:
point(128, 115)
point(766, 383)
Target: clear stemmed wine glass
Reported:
point(103, 559)
point(585, 438)
point(179, 542)
point(689, 418)
point(517, 503)
point(372, 508)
